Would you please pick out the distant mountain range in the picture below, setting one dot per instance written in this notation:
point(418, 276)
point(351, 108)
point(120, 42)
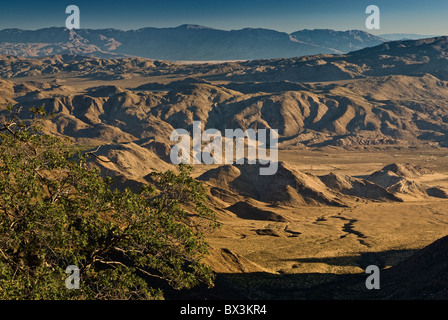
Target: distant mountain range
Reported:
point(405, 36)
point(183, 43)
point(393, 94)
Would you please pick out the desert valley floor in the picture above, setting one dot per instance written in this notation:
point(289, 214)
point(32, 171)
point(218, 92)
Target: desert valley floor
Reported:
point(319, 244)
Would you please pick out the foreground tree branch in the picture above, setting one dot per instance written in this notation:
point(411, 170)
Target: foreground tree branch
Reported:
point(54, 212)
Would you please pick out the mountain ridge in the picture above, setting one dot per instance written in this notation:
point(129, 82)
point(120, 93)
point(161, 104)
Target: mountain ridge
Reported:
point(393, 94)
point(182, 43)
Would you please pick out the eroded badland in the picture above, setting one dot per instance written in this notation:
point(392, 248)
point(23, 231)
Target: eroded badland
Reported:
point(363, 159)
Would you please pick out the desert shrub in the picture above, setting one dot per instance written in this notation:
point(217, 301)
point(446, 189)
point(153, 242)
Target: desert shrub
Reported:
point(55, 211)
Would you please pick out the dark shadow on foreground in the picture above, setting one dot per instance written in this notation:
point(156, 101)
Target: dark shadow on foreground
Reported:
point(414, 275)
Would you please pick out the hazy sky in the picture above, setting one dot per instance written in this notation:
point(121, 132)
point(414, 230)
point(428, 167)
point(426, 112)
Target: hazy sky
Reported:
point(397, 16)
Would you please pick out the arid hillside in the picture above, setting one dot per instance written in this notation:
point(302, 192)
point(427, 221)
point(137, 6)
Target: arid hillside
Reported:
point(362, 173)
point(381, 111)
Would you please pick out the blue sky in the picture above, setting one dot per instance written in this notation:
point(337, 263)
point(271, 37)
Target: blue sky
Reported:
point(397, 16)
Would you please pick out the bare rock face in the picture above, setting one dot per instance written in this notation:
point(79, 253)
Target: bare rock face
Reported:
point(399, 179)
point(422, 276)
point(287, 187)
point(245, 210)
